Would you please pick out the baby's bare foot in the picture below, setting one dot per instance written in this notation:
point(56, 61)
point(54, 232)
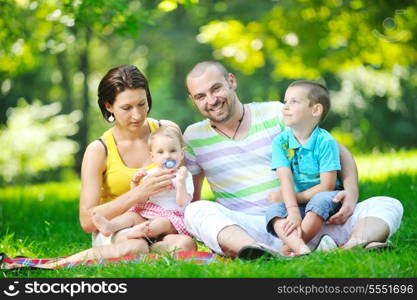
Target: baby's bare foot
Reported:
point(138, 231)
point(103, 225)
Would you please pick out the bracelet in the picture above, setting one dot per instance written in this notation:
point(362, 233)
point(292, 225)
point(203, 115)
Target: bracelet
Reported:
point(291, 206)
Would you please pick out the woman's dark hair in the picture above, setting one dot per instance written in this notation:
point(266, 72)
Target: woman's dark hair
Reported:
point(116, 81)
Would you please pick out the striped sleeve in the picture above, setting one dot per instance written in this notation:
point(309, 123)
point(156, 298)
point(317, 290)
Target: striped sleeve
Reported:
point(190, 157)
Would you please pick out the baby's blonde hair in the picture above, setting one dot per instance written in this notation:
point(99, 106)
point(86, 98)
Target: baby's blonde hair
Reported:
point(167, 131)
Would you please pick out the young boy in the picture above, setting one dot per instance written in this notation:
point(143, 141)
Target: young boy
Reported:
point(306, 159)
point(162, 214)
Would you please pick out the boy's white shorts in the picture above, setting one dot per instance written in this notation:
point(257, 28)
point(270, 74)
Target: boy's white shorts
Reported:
point(205, 219)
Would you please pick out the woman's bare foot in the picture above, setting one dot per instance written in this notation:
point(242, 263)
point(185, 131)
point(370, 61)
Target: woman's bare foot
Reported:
point(138, 231)
point(103, 225)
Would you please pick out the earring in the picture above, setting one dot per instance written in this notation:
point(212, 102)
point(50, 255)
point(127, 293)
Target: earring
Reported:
point(111, 118)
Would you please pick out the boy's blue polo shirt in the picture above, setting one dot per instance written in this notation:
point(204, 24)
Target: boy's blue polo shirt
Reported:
point(319, 154)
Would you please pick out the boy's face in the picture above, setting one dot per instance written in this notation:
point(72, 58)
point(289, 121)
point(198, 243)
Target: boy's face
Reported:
point(164, 148)
point(297, 110)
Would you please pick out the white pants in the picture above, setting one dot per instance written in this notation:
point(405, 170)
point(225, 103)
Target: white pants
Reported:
point(205, 219)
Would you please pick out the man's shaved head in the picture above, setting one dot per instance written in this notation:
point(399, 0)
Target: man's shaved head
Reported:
point(201, 67)
point(213, 90)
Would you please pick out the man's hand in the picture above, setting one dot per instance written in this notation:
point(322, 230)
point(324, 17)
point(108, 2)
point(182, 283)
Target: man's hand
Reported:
point(345, 211)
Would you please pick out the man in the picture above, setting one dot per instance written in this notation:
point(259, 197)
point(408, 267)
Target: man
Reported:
point(232, 149)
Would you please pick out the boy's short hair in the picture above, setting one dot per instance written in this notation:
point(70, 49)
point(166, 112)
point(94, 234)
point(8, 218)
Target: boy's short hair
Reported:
point(317, 93)
point(167, 131)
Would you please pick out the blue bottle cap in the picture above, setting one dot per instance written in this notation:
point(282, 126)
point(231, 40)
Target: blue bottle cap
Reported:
point(170, 163)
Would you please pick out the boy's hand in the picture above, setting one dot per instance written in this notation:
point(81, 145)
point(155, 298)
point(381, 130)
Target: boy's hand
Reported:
point(274, 197)
point(293, 222)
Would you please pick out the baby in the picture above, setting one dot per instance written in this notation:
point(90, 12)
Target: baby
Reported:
point(162, 214)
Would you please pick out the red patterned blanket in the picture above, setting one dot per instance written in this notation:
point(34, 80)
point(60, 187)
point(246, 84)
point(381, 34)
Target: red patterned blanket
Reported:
point(7, 263)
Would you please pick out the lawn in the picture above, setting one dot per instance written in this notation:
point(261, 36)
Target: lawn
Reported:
point(42, 221)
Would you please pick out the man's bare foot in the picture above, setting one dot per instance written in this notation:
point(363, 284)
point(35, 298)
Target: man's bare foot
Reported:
point(103, 225)
point(138, 231)
point(353, 243)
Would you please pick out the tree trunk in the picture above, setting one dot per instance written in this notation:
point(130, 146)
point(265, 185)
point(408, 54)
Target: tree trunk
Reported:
point(85, 101)
point(68, 104)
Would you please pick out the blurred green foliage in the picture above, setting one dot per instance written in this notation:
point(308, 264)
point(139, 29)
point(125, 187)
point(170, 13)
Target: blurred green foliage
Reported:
point(365, 52)
point(35, 140)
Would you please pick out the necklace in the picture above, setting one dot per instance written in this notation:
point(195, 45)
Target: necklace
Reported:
point(238, 126)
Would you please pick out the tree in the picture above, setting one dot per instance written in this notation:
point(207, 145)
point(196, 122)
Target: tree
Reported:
point(329, 41)
point(64, 29)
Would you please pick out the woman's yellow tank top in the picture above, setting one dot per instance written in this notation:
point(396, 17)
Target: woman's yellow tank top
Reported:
point(117, 177)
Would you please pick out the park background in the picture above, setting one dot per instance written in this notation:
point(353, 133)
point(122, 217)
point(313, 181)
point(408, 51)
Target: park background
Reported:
point(53, 54)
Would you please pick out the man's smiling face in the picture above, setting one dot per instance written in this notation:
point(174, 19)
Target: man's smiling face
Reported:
point(213, 94)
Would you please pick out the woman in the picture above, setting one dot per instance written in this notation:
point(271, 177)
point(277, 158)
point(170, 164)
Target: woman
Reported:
point(110, 162)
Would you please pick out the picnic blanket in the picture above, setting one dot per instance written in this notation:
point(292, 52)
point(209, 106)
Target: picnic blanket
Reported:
point(198, 257)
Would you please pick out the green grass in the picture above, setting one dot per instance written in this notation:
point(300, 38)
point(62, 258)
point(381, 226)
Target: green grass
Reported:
point(42, 221)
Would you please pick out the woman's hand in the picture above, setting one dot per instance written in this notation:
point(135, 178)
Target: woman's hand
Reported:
point(156, 182)
point(293, 222)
